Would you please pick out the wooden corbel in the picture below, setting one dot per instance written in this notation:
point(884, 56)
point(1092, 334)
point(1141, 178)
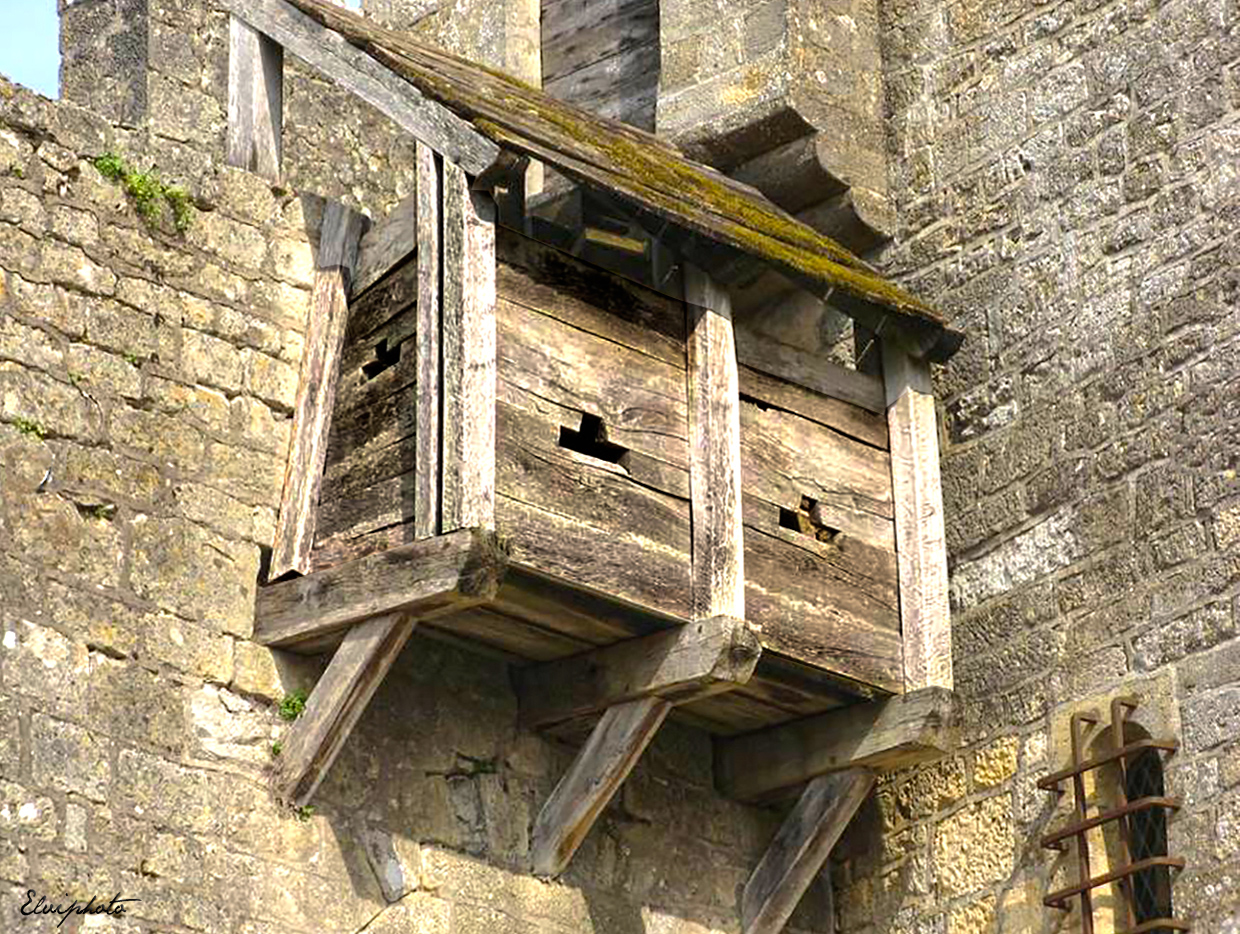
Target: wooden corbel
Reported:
point(635, 684)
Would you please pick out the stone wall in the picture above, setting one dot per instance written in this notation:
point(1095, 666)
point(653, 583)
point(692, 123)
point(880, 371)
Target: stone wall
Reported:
point(1067, 176)
point(146, 385)
point(162, 66)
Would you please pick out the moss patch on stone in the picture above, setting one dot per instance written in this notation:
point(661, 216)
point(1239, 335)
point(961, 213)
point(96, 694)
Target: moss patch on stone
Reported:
point(149, 194)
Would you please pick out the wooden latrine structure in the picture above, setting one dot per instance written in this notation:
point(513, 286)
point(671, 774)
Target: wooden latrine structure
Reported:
point(644, 505)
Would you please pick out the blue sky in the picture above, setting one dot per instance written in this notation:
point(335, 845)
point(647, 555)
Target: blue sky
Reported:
point(30, 43)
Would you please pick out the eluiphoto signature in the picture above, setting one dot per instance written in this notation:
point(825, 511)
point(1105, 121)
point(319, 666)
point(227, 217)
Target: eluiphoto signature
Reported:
point(115, 908)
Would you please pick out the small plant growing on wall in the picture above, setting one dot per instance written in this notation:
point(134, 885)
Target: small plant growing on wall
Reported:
point(293, 705)
point(150, 195)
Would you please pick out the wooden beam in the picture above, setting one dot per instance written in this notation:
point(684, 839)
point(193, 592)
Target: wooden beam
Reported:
point(429, 440)
point(359, 74)
point(336, 703)
point(806, 369)
point(679, 665)
point(800, 849)
point(255, 100)
point(714, 450)
point(316, 391)
point(921, 541)
point(594, 777)
point(426, 579)
point(900, 731)
point(468, 355)
point(388, 241)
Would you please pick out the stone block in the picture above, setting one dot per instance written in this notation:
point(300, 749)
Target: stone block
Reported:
point(69, 758)
point(271, 380)
point(134, 705)
point(54, 671)
point(188, 647)
point(54, 407)
point(103, 373)
point(26, 812)
point(170, 795)
point(228, 729)
point(1211, 719)
point(974, 847)
point(933, 788)
point(995, 762)
point(211, 361)
point(49, 304)
point(1196, 631)
point(193, 573)
point(272, 674)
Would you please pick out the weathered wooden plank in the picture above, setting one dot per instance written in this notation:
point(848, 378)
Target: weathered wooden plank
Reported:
point(337, 701)
point(532, 468)
point(845, 417)
point(623, 86)
point(588, 297)
point(714, 450)
point(921, 543)
point(888, 734)
point(578, 32)
point(679, 665)
point(425, 579)
point(641, 400)
point(519, 638)
point(426, 497)
point(596, 774)
point(800, 848)
point(255, 100)
point(798, 366)
point(316, 393)
point(387, 297)
point(821, 614)
point(339, 235)
point(468, 346)
point(361, 75)
point(543, 421)
point(387, 244)
point(628, 567)
point(785, 458)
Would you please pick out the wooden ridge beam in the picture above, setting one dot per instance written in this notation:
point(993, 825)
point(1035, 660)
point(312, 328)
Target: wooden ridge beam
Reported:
point(921, 540)
point(679, 665)
point(359, 74)
point(336, 703)
point(597, 773)
point(800, 848)
point(900, 731)
point(426, 579)
point(316, 390)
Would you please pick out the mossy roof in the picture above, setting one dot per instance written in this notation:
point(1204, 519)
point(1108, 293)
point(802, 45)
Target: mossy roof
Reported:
point(636, 166)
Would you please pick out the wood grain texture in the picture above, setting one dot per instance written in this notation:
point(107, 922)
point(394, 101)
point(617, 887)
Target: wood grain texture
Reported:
point(422, 578)
point(806, 369)
point(679, 665)
point(362, 76)
point(316, 395)
point(715, 450)
point(800, 849)
point(356, 670)
point(921, 543)
point(255, 100)
point(628, 567)
point(387, 243)
point(597, 773)
point(426, 501)
point(468, 347)
point(845, 417)
point(894, 733)
point(641, 400)
point(339, 236)
point(561, 286)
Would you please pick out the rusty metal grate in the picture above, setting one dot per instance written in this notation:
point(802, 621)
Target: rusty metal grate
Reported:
point(1142, 870)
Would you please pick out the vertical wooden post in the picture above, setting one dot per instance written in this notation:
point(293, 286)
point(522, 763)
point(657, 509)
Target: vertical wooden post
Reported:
point(316, 390)
point(426, 502)
point(714, 450)
point(255, 100)
point(921, 544)
point(468, 354)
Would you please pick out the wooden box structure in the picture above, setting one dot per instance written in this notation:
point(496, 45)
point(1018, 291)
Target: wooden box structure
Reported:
point(592, 468)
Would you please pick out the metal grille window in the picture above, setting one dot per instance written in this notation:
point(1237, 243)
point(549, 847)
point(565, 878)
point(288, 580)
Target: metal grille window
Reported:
point(1140, 867)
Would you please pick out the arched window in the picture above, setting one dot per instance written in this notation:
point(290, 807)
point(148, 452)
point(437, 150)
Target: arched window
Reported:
point(1147, 833)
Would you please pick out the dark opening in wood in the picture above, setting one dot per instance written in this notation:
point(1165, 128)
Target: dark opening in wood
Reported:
point(807, 520)
point(591, 439)
point(385, 358)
